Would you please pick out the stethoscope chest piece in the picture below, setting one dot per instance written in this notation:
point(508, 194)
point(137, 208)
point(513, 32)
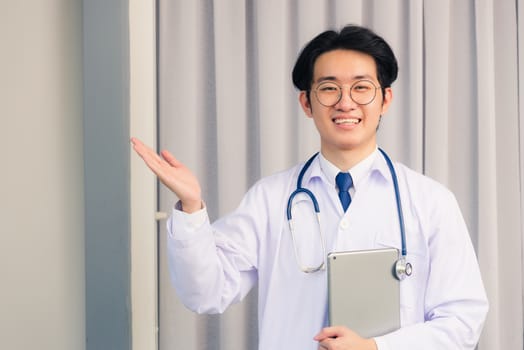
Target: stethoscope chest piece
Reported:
point(403, 268)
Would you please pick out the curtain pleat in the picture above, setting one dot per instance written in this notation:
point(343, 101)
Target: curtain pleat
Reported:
point(228, 110)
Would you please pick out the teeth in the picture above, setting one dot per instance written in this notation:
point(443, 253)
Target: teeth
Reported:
point(347, 121)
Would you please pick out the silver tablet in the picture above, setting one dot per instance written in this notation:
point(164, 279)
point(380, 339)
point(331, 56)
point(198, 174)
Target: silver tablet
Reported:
point(363, 292)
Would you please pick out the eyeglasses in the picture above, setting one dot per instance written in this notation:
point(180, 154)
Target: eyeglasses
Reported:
point(362, 92)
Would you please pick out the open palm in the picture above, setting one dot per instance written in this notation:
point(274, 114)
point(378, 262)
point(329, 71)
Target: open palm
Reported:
point(173, 174)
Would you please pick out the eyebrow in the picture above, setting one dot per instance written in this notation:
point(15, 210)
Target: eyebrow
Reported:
point(356, 77)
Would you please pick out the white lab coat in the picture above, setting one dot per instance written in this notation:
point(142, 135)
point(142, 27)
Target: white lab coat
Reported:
point(443, 303)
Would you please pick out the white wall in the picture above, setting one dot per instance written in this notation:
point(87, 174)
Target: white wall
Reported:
point(42, 288)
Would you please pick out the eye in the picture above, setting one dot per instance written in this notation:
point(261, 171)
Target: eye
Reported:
point(362, 86)
point(328, 88)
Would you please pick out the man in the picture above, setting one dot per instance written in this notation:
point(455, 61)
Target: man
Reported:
point(345, 81)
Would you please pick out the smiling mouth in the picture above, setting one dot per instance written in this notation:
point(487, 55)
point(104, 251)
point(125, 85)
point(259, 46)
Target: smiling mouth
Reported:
point(340, 121)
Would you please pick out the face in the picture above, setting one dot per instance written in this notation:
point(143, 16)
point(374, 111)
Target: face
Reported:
point(346, 126)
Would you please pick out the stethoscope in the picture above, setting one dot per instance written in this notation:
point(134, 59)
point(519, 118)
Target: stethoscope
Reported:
point(402, 267)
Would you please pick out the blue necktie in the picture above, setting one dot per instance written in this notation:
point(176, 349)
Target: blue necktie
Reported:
point(344, 182)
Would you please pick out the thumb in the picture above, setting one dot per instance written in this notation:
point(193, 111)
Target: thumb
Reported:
point(171, 159)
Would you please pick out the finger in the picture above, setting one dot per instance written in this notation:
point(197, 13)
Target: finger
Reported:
point(329, 332)
point(147, 153)
point(154, 162)
point(170, 159)
point(138, 144)
point(140, 147)
point(326, 344)
point(150, 156)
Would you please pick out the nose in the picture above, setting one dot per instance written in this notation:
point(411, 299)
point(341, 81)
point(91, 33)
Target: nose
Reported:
point(346, 102)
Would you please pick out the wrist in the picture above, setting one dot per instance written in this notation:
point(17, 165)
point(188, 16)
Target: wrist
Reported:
point(191, 206)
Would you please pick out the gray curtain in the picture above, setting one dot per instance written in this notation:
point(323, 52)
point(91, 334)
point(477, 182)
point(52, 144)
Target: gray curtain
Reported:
point(227, 108)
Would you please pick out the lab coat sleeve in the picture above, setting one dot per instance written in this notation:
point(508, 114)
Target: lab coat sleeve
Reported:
point(455, 303)
point(214, 266)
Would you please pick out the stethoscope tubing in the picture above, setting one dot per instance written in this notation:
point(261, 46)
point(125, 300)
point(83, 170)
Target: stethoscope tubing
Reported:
point(403, 267)
point(399, 202)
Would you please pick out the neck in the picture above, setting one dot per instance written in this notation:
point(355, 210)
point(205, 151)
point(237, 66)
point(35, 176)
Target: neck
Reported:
point(346, 159)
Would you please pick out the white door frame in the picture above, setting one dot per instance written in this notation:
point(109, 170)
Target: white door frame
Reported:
point(143, 206)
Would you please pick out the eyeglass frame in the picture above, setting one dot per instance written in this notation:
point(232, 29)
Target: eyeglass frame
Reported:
point(350, 89)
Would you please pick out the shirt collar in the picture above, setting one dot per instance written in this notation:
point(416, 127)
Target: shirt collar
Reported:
point(324, 169)
point(358, 172)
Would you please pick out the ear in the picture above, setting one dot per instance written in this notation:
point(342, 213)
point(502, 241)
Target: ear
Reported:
point(386, 102)
point(304, 103)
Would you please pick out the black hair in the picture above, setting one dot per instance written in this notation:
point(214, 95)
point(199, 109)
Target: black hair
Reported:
point(351, 37)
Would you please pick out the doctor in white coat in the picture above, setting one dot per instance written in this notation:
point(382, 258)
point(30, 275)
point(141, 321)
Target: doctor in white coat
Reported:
point(344, 79)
